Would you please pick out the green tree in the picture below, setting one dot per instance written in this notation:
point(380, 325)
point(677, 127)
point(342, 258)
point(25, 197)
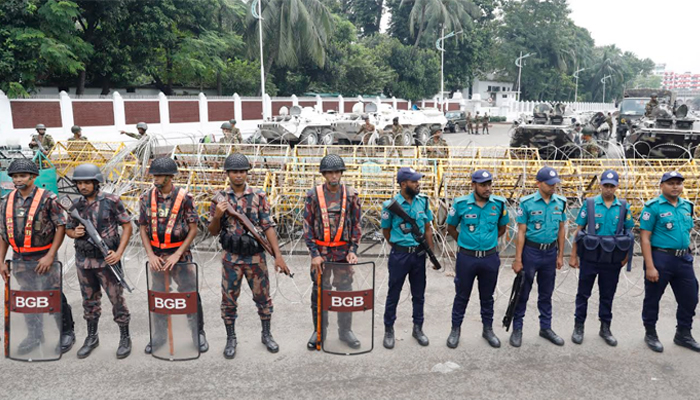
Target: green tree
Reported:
point(435, 15)
point(366, 15)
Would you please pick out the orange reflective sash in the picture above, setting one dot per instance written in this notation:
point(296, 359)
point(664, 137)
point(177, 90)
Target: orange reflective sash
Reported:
point(10, 224)
point(326, 242)
point(155, 241)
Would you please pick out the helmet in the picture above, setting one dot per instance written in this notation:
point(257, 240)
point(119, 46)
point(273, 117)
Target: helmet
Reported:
point(396, 119)
point(587, 131)
point(75, 129)
point(142, 125)
point(237, 162)
point(435, 129)
point(226, 125)
point(331, 163)
point(163, 166)
point(40, 126)
point(365, 117)
point(22, 165)
point(87, 172)
point(232, 122)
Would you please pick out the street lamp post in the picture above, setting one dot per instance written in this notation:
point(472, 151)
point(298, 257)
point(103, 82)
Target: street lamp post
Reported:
point(519, 64)
point(603, 82)
point(576, 90)
point(441, 47)
point(258, 15)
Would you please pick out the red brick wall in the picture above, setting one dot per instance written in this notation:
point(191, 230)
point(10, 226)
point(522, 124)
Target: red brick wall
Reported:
point(331, 105)
point(453, 106)
point(27, 114)
point(303, 104)
point(183, 111)
point(276, 105)
point(348, 106)
point(93, 113)
point(402, 105)
point(142, 111)
point(221, 110)
point(251, 109)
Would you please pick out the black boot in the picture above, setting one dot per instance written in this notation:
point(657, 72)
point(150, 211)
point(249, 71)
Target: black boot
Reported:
point(577, 336)
point(389, 339)
point(652, 339)
point(345, 333)
point(124, 348)
point(606, 334)
point(311, 344)
point(199, 337)
point(685, 339)
point(453, 339)
point(419, 335)
point(67, 332)
point(91, 340)
point(516, 338)
point(203, 344)
point(158, 337)
point(551, 336)
point(35, 334)
point(230, 349)
point(267, 339)
point(491, 337)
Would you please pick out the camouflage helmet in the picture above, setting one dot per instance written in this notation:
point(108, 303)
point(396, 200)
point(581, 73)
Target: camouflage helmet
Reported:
point(75, 129)
point(142, 125)
point(237, 162)
point(40, 126)
point(226, 125)
point(22, 166)
point(232, 122)
point(163, 166)
point(332, 163)
point(587, 131)
point(435, 129)
point(87, 172)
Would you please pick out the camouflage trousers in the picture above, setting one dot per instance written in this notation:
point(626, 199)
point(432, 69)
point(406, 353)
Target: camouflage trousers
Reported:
point(185, 276)
point(339, 277)
point(258, 281)
point(92, 281)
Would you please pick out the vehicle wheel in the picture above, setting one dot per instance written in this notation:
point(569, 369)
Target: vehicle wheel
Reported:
point(384, 140)
point(344, 142)
point(422, 135)
point(309, 137)
point(404, 138)
point(327, 137)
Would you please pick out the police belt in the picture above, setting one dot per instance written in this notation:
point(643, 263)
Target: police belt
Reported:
point(404, 249)
point(673, 252)
point(478, 253)
point(540, 246)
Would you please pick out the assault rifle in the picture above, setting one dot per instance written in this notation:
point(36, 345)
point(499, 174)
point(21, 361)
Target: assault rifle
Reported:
point(514, 297)
point(96, 240)
point(248, 225)
point(395, 207)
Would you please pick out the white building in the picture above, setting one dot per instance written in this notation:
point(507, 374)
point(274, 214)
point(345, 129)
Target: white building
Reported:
point(490, 87)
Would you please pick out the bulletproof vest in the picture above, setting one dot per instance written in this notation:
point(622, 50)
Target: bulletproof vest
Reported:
point(242, 245)
point(604, 249)
point(85, 246)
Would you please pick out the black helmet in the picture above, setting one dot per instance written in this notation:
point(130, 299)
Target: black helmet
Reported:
point(23, 165)
point(237, 162)
point(331, 163)
point(40, 126)
point(87, 172)
point(142, 125)
point(226, 125)
point(396, 119)
point(75, 129)
point(163, 166)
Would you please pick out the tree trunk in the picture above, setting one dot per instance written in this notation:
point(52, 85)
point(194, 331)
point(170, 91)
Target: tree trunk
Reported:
point(420, 27)
point(219, 84)
point(105, 85)
point(80, 89)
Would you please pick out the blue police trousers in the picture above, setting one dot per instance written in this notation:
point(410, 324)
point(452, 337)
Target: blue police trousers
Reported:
point(679, 273)
point(608, 277)
point(400, 266)
point(470, 268)
point(542, 263)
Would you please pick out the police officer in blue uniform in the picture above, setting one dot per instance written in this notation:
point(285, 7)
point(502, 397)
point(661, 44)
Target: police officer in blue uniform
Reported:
point(482, 219)
point(666, 223)
point(607, 216)
point(539, 251)
point(406, 257)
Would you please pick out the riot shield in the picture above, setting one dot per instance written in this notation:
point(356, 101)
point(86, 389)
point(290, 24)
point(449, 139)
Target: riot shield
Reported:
point(33, 312)
point(173, 316)
point(347, 303)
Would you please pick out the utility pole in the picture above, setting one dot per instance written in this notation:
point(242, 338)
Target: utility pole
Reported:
point(576, 91)
point(603, 81)
point(519, 64)
point(258, 15)
point(440, 44)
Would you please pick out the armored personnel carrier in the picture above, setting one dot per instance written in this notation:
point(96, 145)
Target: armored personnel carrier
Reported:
point(547, 132)
point(665, 133)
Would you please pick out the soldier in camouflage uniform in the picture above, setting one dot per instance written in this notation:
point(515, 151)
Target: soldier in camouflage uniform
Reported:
point(141, 127)
point(42, 138)
point(48, 229)
point(243, 255)
point(485, 124)
point(107, 214)
point(589, 147)
point(229, 136)
point(436, 140)
point(651, 105)
point(396, 131)
point(235, 132)
point(322, 245)
point(468, 124)
point(476, 123)
point(77, 134)
point(164, 255)
point(366, 130)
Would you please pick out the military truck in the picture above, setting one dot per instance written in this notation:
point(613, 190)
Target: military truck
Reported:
point(633, 106)
point(547, 133)
point(667, 132)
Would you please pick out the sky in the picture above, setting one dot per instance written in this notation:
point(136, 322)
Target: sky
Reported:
point(630, 24)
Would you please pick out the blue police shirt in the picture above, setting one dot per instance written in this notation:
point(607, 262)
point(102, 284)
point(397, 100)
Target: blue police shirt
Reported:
point(478, 225)
point(419, 210)
point(606, 219)
point(669, 226)
point(542, 219)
